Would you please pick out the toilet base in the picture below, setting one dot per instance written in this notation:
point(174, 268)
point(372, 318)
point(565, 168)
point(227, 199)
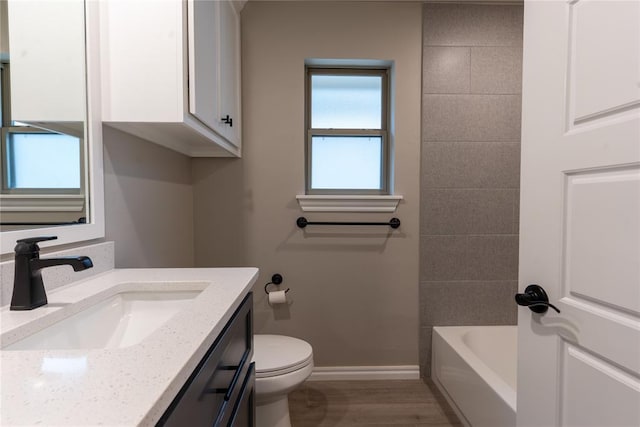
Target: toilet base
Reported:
point(274, 413)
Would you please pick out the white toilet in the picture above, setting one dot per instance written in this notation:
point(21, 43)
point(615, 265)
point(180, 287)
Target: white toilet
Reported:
point(282, 364)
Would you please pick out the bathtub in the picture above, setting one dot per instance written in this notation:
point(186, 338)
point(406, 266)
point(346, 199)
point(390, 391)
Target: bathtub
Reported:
point(475, 368)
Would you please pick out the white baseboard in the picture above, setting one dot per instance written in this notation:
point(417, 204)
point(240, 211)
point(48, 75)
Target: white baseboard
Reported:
point(344, 373)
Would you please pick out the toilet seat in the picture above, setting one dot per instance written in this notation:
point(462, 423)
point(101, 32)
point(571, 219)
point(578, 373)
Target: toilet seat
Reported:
point(278, 355)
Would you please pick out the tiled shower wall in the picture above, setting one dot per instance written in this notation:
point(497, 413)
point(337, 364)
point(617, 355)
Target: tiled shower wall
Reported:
point(472, 71)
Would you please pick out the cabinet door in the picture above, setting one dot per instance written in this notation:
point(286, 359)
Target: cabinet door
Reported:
point(204, 76)
point(229, 69)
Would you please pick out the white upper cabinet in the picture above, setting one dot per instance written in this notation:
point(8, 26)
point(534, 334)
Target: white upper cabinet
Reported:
point(171, 73)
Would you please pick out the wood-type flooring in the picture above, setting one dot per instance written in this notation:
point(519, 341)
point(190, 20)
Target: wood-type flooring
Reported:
point(397, 403)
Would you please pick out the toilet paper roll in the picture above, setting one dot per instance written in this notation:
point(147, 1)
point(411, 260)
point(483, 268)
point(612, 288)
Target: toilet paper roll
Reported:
point(277, 297)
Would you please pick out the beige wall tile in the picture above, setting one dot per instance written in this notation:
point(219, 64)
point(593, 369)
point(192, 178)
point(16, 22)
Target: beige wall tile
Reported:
point(446, 69)
point(471, 117)
point(468, 303)
point(490, 257)
point(468, 211)
point(471, 165)
point(472, 25)
point(496, 70)
point(426, 333)
point(470, 170)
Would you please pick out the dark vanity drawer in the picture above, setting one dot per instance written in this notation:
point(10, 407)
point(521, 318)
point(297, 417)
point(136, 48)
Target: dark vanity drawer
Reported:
point(243, 414)
point(215, 389)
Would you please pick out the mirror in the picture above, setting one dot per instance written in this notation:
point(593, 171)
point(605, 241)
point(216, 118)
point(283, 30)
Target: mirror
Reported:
point(51, 168)
point(43, 114)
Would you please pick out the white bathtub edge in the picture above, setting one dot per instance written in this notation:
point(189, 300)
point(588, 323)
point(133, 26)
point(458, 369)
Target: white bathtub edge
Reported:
point(487, 374)
point(449, 400)
point(468, 382)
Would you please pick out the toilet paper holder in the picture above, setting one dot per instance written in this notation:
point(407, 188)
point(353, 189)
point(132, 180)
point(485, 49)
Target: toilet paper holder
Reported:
point(276, 279)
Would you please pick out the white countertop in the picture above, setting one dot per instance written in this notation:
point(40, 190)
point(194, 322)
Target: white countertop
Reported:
point(118, 386)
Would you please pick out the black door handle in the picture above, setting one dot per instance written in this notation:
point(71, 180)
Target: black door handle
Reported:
point(536, 299)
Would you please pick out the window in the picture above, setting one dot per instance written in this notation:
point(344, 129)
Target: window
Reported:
point(347, 121)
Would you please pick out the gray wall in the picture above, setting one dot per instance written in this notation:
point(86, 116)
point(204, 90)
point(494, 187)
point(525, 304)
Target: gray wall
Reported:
point(472, 57)
point(148, 202)
point(354, 292)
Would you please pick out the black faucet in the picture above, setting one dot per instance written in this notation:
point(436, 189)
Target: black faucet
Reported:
point(28, 288)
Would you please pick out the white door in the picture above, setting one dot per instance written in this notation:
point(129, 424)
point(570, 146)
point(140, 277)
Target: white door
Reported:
point(580, 214)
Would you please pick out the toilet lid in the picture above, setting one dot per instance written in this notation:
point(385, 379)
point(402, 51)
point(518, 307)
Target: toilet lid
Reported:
point(278, 354)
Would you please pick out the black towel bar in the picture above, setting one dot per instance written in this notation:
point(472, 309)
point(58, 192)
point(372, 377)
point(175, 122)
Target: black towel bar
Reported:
point(302, 222)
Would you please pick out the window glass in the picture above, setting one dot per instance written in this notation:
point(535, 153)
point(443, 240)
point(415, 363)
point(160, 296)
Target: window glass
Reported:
point(346, 102)
point(346, 162)
point(42, 160)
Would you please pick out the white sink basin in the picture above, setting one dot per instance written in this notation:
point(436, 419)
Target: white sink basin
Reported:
point(121, 320)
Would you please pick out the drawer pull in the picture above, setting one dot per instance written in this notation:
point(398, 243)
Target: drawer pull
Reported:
point(227, 391)
point(247, 387)
point(219, 390)
point(236, 376)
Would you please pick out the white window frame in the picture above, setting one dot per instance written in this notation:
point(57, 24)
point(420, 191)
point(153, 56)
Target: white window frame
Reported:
point(383, 132)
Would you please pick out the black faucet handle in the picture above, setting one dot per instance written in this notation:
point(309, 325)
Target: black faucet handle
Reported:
point(30, 244)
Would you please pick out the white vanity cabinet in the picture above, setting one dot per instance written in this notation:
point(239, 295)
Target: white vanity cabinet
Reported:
point(171, 73)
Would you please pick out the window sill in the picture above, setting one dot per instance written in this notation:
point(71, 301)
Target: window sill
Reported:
point(341, 203)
